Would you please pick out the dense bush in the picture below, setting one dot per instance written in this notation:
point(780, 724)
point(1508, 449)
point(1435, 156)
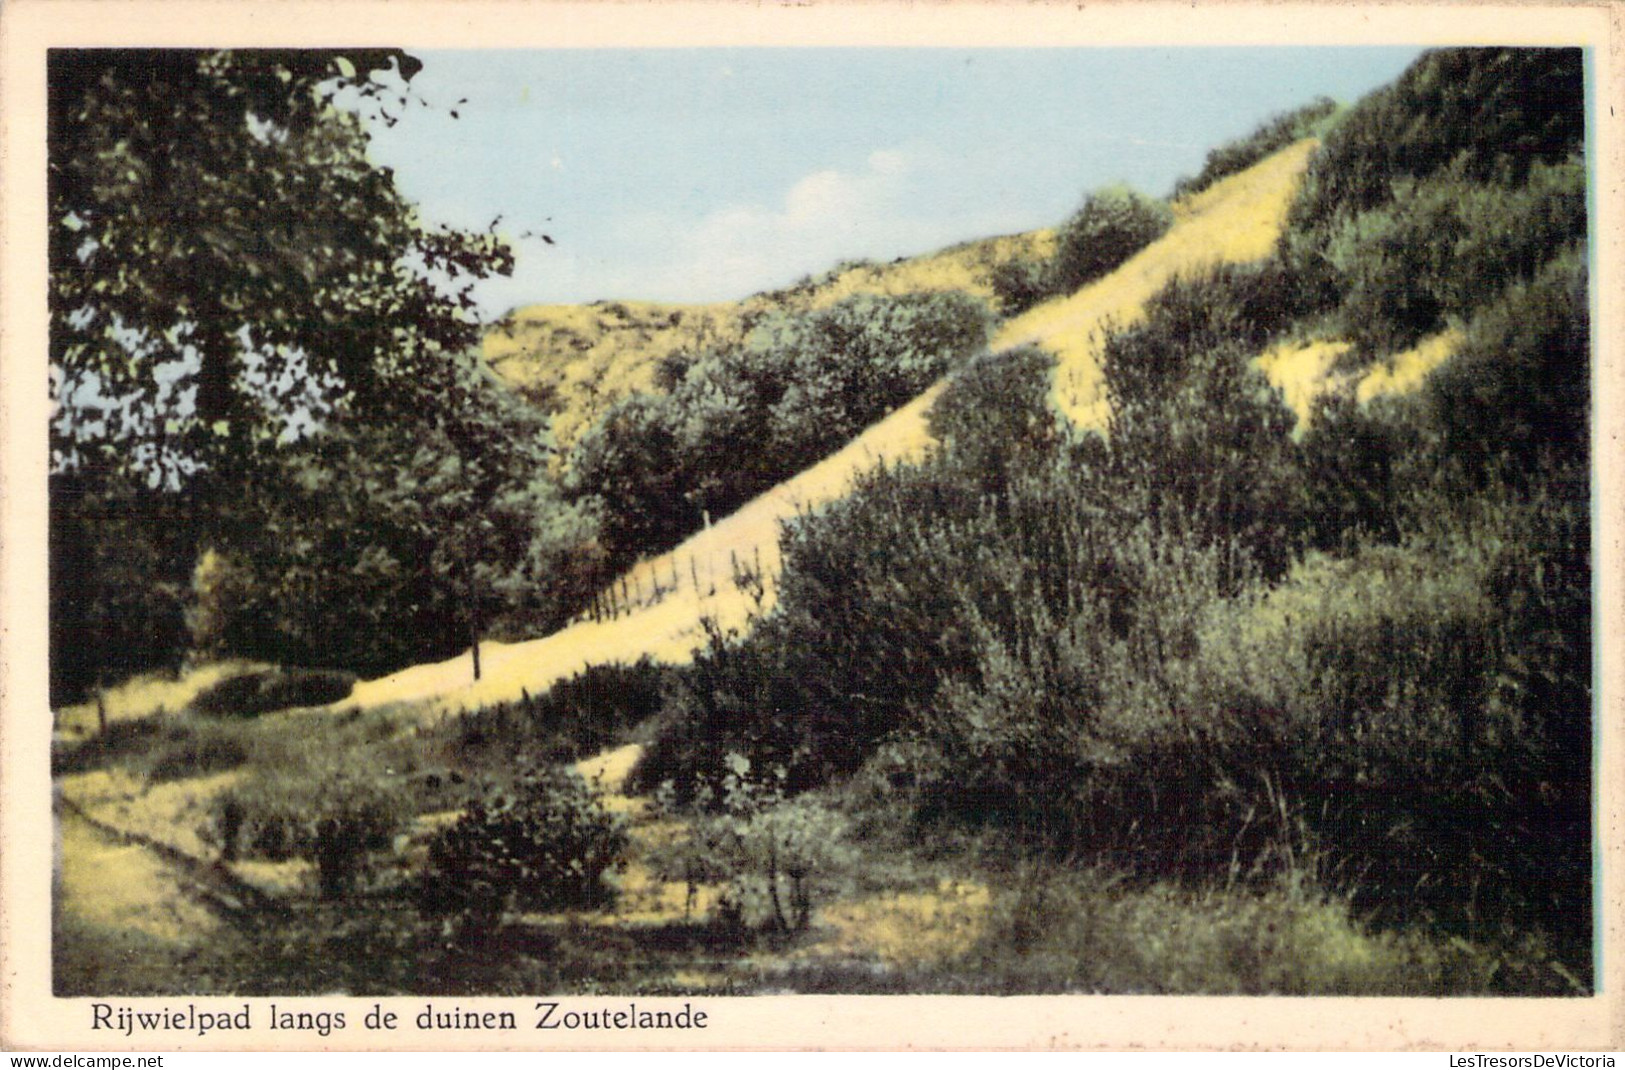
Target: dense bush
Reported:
point(1274, 134)
point(1000, 542)
point(1020, 283)
point(773, 856)
point(1431, 195)
point(1201, 444)
point(545, 842)
point(739, 419)
point(1429, 708)
point(994, 415)
point(120, 554)
point(1493, 113)
point(1446, 246)
point(1359, 464)
point(1113, 224)
point(333, 817)
point(1516, 399)
point(576, 717)
point(250, 694)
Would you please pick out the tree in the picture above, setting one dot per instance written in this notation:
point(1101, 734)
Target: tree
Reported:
point(227, 266)
point(230, 280)
point(476, 491)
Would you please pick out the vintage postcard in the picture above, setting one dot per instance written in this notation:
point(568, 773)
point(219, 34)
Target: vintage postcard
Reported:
point(716, 526)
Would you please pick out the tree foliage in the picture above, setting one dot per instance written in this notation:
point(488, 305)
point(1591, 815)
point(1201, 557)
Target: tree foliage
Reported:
point(253, 351)
point(226, 263)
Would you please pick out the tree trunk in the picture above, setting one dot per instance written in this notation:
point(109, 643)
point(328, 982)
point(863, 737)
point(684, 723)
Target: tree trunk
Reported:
point(473, 616)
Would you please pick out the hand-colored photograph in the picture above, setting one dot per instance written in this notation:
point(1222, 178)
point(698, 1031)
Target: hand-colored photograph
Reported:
point(738, 521)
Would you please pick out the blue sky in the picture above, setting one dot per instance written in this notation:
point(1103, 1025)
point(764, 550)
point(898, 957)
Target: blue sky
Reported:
point(706, 174)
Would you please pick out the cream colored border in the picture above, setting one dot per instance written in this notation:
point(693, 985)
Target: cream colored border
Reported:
point(31, 1019)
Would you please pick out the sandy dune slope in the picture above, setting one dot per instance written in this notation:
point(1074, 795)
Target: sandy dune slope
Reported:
point(665, 600)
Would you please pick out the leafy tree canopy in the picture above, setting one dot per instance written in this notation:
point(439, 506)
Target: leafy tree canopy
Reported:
point(227, 266)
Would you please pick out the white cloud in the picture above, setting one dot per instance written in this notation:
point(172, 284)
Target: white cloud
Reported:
point(902, 201)
point(825, 217)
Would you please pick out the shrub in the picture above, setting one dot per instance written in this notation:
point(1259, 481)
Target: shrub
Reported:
point(546, 842)
point(1020, 283)
point(995, 414)
point(574, 718)
point(261, 691)
point(1274, 134)
point(1211, 460)
point(1355, 470)
point(1238, 307)
point(1428, 709)
point(774, 855)
point(1447, 246)
point(334, 817)
point(1491, 112)
point(1516, 398)
point(1113, 224)
point(197, 753)
point(935, 572)
point(740, 418)
point(1467, 166)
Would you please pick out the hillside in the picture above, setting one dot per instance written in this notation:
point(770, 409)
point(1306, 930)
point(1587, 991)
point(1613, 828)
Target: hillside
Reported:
point(1221, 622)
point(1238, 219)
point(576, 361)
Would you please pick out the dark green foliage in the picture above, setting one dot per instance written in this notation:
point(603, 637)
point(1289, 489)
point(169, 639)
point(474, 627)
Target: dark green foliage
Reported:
point(198, 753)
point(1447, 246)
point(1516, 398)
point(740, 419)
point(1358, 464)
point(195, 195)
point(229, 316)
point(1201, 443)
point(1273, 135)
point(1430, 711)
point(995, 415)
point(995, 549)
point(543, 843)
point(861, 358)
point(375, 547)
point(629, 462)
point(1020, 283)
point(250, 694)
point(1113, 224)
point(1430, 196)
point(333, 817)
point(120, 562)
point(575, 718)
point(1493, 113)
point(740, 698)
